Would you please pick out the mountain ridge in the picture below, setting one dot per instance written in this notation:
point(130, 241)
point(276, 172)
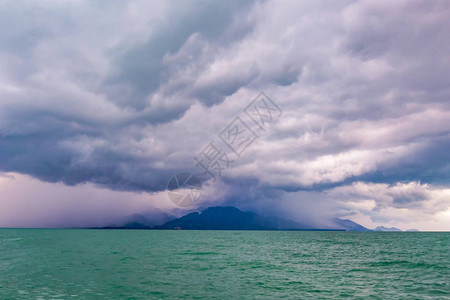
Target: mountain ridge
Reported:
point(232, 218)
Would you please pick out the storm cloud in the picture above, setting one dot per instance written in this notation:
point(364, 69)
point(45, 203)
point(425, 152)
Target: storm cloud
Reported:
point(121, 95)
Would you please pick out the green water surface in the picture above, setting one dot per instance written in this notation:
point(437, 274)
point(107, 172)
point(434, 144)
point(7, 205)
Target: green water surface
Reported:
point(146, 264)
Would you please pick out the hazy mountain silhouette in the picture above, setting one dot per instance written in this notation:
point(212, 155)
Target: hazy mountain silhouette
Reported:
point(382, 228)
point(231, 218)
point(348, 225)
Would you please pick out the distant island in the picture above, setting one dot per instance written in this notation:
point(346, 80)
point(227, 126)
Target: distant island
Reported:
point(232, 218)
point(382, 228)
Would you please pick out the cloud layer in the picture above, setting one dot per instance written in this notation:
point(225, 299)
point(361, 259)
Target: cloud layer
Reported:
point(123, 94)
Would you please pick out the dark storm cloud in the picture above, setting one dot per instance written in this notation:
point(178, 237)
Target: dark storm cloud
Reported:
point(140, 71)
point(38, 131)
point(124, 95)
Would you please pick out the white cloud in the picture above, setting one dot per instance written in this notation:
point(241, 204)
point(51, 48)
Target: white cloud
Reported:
point(406, 205)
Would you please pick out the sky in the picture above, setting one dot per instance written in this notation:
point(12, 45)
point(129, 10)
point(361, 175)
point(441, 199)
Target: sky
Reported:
point(103, 102)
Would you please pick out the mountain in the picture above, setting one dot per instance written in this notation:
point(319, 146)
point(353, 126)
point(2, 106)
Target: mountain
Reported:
point(154, 218)
point(227, 218)
point(147, 220)
point(231, 218)
point(412, 230)
point(382, 228)
point(348, 225)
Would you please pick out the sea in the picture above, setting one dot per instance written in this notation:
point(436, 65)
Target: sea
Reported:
point(178, 264)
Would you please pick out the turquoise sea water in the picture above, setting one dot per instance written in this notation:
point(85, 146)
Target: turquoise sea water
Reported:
point(133, 264)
